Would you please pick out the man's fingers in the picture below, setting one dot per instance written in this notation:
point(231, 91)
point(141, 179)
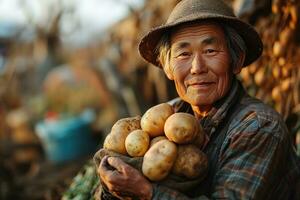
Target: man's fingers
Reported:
point(117, 163)
point(105, 169)
point(104, 164)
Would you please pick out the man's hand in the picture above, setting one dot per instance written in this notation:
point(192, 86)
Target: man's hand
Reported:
point(122, 180)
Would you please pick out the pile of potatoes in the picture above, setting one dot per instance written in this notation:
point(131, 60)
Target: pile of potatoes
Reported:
point(167, 141)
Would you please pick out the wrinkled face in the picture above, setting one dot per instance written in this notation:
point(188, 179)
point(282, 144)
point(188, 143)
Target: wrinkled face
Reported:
point(200, 63)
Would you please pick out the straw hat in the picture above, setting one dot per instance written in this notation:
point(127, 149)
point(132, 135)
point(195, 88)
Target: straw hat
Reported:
point(196, 10)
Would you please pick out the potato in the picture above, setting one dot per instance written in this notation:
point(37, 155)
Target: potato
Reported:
point(111, 142)
point(137, 143)
point(157, 139)
point(115, 140)
point(200, 138)
point(154, 119)
point(182, 128)
point(159, 160)
point(191, 162)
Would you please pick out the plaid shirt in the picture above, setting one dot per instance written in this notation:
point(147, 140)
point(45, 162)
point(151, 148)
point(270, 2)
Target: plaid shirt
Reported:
point(251, 154)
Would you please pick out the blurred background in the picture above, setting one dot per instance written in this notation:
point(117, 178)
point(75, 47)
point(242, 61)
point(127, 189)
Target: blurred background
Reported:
point(69, 69)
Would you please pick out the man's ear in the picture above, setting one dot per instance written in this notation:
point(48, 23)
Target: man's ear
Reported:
point(239, 64)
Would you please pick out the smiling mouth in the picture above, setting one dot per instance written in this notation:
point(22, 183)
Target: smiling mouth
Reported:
point(201, 84)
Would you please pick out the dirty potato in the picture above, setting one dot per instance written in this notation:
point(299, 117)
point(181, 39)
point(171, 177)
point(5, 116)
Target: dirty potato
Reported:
point(154, 119)
point(159, 160)
point(181, 128)
point(191, 162)
point(137, 143)
point(157, 139)
point(115, 140)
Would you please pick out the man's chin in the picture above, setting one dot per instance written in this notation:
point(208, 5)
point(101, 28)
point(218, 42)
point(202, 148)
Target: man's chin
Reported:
point(200, 101)
point(200, 104)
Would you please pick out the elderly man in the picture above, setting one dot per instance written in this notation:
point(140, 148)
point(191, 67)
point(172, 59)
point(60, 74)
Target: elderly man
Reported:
point(202, 47)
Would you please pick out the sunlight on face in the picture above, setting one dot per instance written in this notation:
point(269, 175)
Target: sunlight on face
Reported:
point(200, 64)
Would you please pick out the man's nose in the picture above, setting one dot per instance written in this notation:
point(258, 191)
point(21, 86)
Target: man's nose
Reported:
point(198, 64)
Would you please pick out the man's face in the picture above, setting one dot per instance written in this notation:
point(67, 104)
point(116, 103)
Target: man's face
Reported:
point(200, 63)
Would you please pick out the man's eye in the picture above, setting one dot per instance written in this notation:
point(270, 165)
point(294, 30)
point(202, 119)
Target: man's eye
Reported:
point(183, 54)
point(210, 51)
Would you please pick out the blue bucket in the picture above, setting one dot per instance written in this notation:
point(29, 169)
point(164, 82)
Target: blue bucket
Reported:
point(67, 139)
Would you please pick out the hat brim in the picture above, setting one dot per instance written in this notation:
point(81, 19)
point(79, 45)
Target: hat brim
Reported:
point(148, 44)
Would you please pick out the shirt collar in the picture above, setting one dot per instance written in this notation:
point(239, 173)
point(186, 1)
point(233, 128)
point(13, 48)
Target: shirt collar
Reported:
point(220, 108)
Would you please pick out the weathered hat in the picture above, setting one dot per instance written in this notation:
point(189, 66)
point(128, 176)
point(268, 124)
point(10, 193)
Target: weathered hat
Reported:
point(188, 11)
